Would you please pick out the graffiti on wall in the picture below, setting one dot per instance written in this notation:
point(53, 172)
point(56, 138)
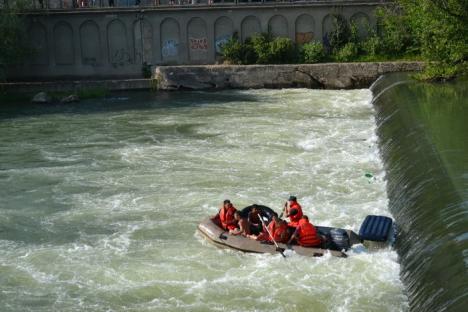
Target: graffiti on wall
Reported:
point(120, 57)
point(199, 44)
point(220, 41)
point(304, 37)
point(170, 48)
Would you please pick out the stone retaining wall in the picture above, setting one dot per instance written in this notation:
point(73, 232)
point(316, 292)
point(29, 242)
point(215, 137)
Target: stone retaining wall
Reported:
point(316, 76)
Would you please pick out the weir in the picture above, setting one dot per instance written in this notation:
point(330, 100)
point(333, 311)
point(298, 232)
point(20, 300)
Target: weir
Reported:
point(422, 137)
point(115, 42)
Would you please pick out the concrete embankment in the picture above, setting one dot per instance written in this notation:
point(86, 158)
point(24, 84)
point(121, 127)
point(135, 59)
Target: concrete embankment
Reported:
point(75, 85)
point(213, 77)
point(314, 76)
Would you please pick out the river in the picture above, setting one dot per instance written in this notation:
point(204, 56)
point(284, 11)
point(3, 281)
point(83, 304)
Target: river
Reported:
point(99, 201)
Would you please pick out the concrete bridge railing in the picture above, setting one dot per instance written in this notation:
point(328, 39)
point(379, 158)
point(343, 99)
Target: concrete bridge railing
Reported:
point(35, 5)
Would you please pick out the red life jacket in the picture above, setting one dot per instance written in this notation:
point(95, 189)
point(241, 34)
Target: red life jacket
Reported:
point(227, 216)
point(280, 233)
point(307, 234)
point(295, 219)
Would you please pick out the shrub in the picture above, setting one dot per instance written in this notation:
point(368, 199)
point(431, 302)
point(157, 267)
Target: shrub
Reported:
point(233, 51)
point(347, 53)
point(371, 46)
point(261, 46)
point(313, 52)
point(281, 51)
point(341, 33)
point(394, 31)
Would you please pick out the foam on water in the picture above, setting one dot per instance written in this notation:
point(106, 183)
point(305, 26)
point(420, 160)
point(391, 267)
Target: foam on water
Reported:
point(99, 209)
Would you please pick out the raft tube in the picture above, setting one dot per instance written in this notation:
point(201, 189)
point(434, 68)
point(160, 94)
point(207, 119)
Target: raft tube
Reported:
point(222, 238)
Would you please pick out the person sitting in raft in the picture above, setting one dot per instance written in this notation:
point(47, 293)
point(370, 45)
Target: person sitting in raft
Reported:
point(293, 210)
point(225, 217)
point(278, 229)
point(254, 220)
point(243, 225)
point(306, 234)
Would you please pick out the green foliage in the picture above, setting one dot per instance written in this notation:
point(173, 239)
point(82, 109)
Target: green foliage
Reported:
point(282, 51)
point(146, 70)
point(341, 33)
point(347, 53)
point(313, 52)
point(394, 31)
point(260, 49)
point(371, 46)
point(237, 53)
point(12, 37)
point(232, 51)
point(261, 46)
point(438, 30)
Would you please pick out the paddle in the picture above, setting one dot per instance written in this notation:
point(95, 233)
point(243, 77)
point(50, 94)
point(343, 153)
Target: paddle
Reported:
point(282, 212)
point(278, 248)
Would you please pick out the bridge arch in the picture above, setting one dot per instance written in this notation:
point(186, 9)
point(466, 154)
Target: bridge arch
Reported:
point(197, 40)
point(90, 42)
point(117, 43)
point(64, 52)
point(39, 43)
point(170, 40)
point(224, 30)
point(278, 26)
point(250, 26)
point(305, 29)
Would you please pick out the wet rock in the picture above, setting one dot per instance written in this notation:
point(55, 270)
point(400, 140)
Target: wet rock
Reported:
point(70, 99)
point(41, 97)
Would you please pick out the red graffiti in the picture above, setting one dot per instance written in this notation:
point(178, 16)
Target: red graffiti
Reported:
point(198, 43)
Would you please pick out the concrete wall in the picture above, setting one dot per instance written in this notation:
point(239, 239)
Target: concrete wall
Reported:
point(113, 43)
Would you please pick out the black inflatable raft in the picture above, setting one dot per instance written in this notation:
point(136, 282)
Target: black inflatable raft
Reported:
point(374, 228)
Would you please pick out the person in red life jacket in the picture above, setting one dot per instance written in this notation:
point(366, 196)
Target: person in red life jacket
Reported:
point(243, 225)
point(254, 219)
point(293, 210)
point(306, 235)
point(278, 229)
point(225, 217)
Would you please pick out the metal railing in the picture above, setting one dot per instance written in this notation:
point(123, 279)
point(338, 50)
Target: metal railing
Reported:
point(98, 4)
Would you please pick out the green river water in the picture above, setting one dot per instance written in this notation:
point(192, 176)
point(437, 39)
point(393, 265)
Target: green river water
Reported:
point(99, 202)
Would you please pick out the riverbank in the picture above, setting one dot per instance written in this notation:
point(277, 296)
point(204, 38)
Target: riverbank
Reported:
point(215, 77)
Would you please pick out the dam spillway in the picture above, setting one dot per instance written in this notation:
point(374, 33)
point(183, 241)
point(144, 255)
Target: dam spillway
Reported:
point(422, 137)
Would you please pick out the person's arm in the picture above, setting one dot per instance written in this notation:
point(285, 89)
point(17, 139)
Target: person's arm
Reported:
point(236, 231)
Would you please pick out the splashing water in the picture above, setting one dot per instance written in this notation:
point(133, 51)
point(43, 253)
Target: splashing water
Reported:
point(100, 201)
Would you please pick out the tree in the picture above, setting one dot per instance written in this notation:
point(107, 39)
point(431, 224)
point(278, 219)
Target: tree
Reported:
point(441, 29)
point(13, 47)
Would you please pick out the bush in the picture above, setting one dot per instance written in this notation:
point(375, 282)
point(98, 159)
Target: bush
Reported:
point(394, 31)
point(371, 46)
point(313, 52)
point(340, 34)
point(261, 46)
point(282, 51)
point(347, 53)
point(233, 51)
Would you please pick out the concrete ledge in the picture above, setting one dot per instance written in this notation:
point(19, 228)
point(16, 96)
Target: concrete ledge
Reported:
point(315, 76)
point(70, 86)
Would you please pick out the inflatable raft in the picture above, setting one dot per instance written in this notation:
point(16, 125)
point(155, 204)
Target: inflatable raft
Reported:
point(377, 229)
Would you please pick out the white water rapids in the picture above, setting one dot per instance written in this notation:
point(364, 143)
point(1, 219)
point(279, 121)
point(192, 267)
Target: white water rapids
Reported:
point(99, 202)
